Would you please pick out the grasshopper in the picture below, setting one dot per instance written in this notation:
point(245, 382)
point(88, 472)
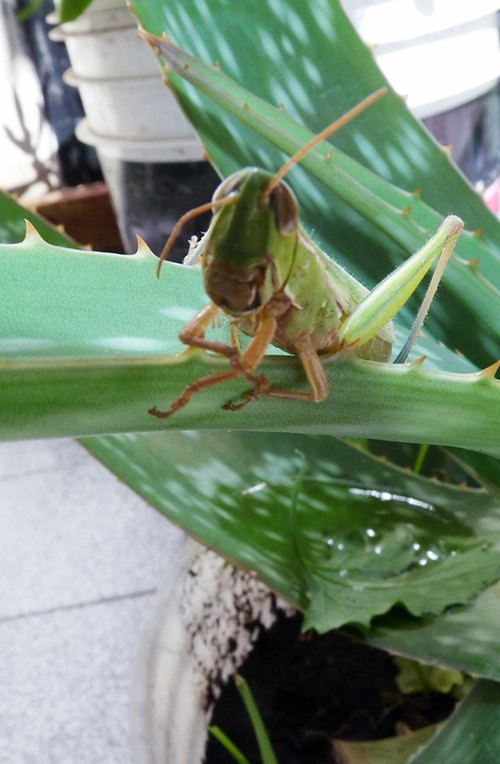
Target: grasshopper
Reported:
point(276, 285)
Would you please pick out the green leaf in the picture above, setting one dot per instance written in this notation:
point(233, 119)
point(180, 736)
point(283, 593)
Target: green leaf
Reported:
point(23, 14)
point(485, 469)
point(472, 734)
point(13, 219)
point(70, 9)
point(337, 599)
point(414, 676)
point(104, 349)
point(464, 638)
point(265, 747)
point(238, 493)
point(228, 745)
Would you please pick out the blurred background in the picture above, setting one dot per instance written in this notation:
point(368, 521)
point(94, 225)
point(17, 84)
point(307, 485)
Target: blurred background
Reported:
point(80, 555)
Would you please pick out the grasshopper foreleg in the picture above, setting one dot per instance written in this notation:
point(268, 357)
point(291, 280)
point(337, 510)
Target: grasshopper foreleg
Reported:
point(242, 364)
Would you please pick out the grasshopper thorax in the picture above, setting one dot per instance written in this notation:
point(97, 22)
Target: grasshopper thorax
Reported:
point(251, 243)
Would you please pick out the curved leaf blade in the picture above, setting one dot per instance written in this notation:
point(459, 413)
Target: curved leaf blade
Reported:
point(104, 349)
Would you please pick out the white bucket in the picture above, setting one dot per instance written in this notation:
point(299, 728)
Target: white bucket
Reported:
point(438, 57)
point(108, 53)
point(180, 149)
point(133, 108)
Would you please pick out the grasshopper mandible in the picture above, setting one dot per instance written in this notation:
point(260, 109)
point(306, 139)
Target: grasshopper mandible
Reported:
point(276, 285)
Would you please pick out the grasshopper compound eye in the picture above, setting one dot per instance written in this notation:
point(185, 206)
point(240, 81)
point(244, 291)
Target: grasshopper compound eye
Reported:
point(230, 185)
point(283, 202)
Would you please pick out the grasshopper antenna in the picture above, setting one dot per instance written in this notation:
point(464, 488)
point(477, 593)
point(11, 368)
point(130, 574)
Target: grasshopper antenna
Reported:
point(189, 216)
point(304, 150)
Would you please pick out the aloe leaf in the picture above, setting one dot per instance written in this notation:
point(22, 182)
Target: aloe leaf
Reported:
point(104, 349)
point(485, 469)
point(472, 734)
point(337, 597)
point(13, 217)
point(387, 138)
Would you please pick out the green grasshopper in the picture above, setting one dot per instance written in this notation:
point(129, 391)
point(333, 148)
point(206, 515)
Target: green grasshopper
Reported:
point(276, 285)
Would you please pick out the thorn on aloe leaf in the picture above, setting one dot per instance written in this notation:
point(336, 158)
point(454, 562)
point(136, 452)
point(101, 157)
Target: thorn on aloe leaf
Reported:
point(419, 361)
point(489, 372)
point(142, 247)
point(31, 234)
point(473, 264)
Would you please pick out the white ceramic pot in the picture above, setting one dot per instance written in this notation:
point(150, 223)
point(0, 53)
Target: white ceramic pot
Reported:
point(133, 108)
point(439, 54)
point(206, 620)
point(180, 149)
point(100, 53)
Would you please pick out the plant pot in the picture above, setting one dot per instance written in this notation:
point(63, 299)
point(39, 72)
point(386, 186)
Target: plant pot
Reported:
point(152, 183)
point(132, 108)
point(438, 55)
point(85, 214)
point(444, 58)
point(185, 148)
point(209, 620)
point(150, 155)
point(95, 53)
point(204, 624)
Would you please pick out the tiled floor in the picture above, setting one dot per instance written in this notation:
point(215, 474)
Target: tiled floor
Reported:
point(80, 558)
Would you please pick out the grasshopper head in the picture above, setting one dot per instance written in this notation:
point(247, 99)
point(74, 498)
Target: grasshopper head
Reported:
point(251, 242)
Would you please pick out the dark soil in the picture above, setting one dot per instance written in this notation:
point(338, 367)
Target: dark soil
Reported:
point(312, 688)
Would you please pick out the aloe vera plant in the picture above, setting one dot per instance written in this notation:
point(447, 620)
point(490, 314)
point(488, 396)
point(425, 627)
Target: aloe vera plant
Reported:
point(104, 348)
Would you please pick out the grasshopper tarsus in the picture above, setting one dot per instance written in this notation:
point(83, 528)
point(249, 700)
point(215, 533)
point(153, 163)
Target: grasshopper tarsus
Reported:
point(260, 390)
point(161, 414)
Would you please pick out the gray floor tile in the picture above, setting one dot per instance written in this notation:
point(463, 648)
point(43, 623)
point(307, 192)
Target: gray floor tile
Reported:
point(80, 555)
point(25, 457)
point(65, 684)
point(70, 535)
